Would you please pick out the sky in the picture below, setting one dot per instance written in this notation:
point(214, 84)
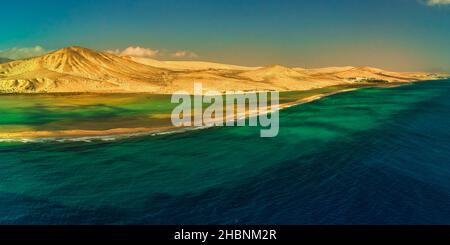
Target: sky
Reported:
point(403, 35)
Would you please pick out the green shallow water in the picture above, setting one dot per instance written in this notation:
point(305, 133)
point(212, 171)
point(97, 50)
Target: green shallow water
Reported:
point(368, 156)
point(101, 111)
point(85, 111)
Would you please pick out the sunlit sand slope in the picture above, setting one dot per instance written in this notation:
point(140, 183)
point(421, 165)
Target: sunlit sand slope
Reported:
point(77, 69)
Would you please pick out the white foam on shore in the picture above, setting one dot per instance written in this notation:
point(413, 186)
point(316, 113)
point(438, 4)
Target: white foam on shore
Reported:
point(105, 138)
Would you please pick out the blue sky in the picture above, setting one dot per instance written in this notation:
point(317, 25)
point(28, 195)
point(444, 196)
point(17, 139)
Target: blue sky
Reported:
point(393, 34)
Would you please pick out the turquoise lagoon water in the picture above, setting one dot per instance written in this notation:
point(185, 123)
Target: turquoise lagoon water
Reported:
point(371, 156)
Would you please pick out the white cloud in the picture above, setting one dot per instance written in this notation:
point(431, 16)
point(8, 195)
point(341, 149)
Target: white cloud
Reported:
point(437, 2)
point(136, 51)
point(184, 54)
point(22, 53)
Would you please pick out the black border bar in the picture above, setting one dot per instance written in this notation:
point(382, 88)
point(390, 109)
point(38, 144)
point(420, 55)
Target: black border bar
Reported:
point(166, 233)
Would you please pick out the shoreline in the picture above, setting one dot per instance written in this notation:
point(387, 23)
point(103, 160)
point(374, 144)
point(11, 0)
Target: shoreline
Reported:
point(112, 93)
point(81, 134)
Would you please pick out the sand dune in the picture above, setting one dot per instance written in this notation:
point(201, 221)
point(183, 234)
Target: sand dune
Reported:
point(325, 70)
point(187, 65)
point(77, 69)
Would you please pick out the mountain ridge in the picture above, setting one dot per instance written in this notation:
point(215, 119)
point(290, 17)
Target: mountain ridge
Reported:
point(78, 69)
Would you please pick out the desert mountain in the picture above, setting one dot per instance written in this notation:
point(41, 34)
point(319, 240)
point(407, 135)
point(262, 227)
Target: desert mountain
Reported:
point(364, 73)
point(369, 73)
point(289, 77)
point(187, 65)
point(77, 69)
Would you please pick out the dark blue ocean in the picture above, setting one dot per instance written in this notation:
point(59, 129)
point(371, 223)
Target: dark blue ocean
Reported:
point(371, 156)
